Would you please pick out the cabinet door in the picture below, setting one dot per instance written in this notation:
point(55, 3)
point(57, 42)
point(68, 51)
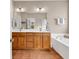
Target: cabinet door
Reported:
point(29, 42)
point(14, 43)
point(37, 40)
point(46, 41)
point(21, 43)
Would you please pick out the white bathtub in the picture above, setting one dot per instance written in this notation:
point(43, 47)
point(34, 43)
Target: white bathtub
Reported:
point(60, 44)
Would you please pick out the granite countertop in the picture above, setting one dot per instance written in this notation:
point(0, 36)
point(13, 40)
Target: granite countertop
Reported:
point(28, 30)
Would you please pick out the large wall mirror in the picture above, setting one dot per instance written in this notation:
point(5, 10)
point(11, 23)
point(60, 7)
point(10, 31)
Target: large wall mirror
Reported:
point(31, 19)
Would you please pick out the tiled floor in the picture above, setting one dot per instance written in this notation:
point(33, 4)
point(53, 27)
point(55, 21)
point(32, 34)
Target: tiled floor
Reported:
point(35, 54)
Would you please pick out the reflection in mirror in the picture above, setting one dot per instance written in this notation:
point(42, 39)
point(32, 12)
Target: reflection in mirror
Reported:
point(25, 20)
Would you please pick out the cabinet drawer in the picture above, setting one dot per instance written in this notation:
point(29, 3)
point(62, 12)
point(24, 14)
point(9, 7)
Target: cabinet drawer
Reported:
point(29, 37)
point(30, 40)
point(29, 45)
point(14, 34)
point(21, 34)
point(29, 33)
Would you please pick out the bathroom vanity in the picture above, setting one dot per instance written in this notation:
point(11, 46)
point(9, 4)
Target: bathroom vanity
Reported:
point(30, 40)
point(29, 30)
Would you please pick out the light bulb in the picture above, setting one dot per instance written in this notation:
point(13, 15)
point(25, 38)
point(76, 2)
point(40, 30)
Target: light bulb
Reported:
point(37, 10)
point(42, 9)
point(17, 10)
point(20, 9)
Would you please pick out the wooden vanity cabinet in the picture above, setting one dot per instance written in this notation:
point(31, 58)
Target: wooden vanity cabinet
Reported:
point(14, 43)
point(19, 40)
point(21, 43)
point(29, 40)
point(46, 40)
point(24, 40)
point(38, 40)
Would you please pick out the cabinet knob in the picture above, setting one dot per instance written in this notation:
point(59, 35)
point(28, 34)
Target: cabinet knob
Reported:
point(11, 40)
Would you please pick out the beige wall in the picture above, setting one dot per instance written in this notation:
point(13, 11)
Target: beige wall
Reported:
point(40, 0)
point(58, 9)
point(54, 11)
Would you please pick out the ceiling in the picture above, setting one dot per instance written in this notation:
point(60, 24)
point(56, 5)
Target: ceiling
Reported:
point(40, 0)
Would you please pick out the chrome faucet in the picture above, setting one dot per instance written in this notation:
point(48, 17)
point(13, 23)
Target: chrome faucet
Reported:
point(20, 29)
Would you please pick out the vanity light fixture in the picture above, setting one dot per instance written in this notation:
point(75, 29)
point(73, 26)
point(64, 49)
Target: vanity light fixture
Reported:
point(40, 9)
point(37, 9)
point(20, 10)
